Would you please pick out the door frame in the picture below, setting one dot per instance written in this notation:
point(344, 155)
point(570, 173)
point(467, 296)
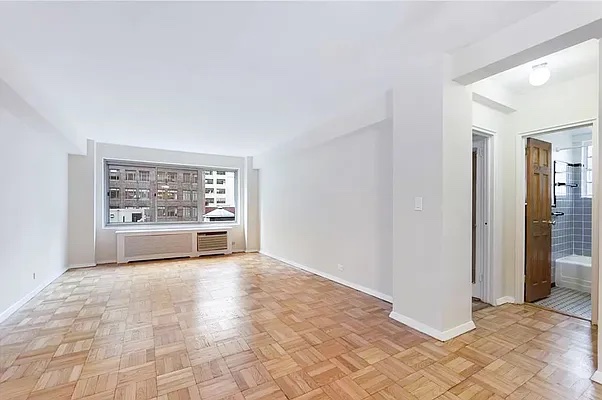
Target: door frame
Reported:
point(519, 264)
point(485, 208)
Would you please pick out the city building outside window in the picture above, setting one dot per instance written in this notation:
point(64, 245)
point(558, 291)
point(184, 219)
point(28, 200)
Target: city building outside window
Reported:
point(143, 194)
point(130, 194)
point(172, 194)
point(147, 193)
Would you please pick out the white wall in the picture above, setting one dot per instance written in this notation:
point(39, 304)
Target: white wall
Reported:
point(82, 229)
point(105, 236)
point(331, 204)
point(33, 236)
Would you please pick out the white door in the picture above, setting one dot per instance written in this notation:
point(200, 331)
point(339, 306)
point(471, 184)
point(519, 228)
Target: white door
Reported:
point(478, 223)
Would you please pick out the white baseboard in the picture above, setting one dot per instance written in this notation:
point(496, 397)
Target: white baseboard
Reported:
point(504, 300)
point(333, 278)
point(251, 251)
point(106, 262)
point(597, 377)
point(10, 310)
point(437, 334)
point(85, 265)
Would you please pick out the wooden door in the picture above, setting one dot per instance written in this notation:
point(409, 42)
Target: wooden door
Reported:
point(538, 229)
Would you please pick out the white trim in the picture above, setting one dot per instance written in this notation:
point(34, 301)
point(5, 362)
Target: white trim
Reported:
point(597, 376)
point(10, 310)
point(333, 278)
point(252, 251)
point(520, 183)
point(437, 334)
point(84, 265)
point(504, 300)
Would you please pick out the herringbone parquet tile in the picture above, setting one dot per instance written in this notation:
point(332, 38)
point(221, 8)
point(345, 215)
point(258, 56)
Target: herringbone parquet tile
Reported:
point(248, 327)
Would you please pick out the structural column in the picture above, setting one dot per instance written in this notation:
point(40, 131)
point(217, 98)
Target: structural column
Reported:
point(432, 144)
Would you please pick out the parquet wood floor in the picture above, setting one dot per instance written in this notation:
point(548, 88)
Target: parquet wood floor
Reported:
point(248, 327)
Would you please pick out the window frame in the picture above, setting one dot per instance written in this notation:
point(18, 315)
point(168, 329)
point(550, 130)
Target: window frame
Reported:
point(200, 201)
point(584, 158)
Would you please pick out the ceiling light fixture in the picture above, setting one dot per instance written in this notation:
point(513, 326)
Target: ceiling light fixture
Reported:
point(539, 74)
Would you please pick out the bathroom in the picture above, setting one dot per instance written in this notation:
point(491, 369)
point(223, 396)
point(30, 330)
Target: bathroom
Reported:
point(572, 188)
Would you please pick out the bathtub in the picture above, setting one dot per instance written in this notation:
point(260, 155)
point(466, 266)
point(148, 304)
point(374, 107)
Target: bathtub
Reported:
point(574, 272)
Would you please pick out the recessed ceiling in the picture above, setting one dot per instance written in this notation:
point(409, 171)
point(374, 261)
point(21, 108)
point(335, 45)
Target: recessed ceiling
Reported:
point(564, 65)
point(221, 77)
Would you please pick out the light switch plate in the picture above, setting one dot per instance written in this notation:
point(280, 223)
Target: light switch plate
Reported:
point(417, 203)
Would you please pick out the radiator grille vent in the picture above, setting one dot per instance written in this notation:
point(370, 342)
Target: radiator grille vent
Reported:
point(212, 241)
point(149, 245)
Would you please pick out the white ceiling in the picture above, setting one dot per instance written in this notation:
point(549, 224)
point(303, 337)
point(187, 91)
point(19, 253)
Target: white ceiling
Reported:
point(221, 77)
point(564, 65)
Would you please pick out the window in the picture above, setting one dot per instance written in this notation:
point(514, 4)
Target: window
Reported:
point(208, 181)
point(147, 193)
point(221, 181)
point(221, 191)
point(143, 194)
point(114, 174)
point(130, 194)
point(587, 188)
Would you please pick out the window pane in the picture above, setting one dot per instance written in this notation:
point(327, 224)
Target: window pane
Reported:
point(130, 197)
point(176, 193)
point(590, 190)
point(220, 205)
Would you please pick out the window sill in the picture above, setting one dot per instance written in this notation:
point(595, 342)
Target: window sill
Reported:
point(171, 227)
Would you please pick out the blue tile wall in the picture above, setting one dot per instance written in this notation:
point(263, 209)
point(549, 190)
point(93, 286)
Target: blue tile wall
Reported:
point(572, 233)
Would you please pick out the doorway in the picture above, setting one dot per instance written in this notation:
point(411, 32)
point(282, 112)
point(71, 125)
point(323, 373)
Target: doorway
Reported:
point(558, 223)
point(480, 219)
